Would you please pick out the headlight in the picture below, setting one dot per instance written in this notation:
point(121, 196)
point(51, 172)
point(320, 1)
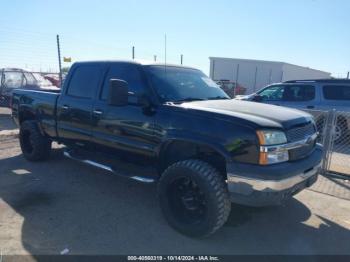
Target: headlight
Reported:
point(270, 154)
point(271, 137)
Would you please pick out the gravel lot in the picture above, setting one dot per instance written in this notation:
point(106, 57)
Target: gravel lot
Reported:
point(50, 206)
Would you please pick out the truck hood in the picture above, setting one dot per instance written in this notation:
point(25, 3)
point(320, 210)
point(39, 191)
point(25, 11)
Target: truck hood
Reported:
point(263, 115)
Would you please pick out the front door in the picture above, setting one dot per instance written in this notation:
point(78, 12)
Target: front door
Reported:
point(124, 129)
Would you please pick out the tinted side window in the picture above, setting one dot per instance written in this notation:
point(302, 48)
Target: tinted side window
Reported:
point(299, 93)
point(336, 92)
point(127, 72)
point(84, 81)
point(272, 93)
point(13, 79)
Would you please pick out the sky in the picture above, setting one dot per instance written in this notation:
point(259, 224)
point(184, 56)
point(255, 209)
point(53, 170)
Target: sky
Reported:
point(313, 33)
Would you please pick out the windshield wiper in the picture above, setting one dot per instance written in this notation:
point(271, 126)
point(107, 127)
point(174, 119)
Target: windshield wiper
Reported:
point(218, 97)
point(188, 99)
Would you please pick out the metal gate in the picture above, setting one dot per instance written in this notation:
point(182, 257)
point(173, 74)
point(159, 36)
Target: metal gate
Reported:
point(334, 129)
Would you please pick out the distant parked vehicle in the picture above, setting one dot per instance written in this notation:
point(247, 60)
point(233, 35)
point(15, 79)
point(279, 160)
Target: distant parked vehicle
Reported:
point(16, 78)
point(54, 79)
point(13, 78)
point(43, 82)
point(322, 94)
point(231, 88)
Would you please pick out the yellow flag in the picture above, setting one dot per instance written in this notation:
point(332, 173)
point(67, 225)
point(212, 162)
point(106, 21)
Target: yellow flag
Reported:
point(67, 59)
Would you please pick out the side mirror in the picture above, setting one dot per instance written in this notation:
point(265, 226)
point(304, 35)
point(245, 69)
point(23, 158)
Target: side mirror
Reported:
point(118, 92)
point(257, 98)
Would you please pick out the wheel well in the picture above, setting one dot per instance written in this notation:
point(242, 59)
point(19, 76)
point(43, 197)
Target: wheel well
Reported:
point(25, 115)
point(182, 150)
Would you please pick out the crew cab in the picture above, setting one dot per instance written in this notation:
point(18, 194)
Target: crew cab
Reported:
point(172, 125)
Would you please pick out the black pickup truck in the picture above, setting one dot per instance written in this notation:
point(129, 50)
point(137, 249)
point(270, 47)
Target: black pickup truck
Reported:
point(173, 125)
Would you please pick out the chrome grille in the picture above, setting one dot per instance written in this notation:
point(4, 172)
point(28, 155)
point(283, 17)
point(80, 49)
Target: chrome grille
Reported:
point(301, 152)
point(299, 133)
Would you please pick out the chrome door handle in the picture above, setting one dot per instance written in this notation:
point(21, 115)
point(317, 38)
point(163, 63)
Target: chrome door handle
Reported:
point(97, 112)
point(65, 107)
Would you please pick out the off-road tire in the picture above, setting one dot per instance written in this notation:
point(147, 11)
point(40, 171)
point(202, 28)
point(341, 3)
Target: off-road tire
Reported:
point(214, 188)
point(34, 146)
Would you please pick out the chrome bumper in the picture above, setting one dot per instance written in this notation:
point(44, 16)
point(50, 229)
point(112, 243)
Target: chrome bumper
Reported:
point(244, 185)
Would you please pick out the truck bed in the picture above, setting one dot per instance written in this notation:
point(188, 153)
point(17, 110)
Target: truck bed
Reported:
point(41, 105)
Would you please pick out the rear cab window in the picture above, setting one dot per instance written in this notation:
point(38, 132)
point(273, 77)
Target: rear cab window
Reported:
point(336, 92)
point(84, 81)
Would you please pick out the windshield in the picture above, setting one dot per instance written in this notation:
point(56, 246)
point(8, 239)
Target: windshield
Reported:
point(176, 84)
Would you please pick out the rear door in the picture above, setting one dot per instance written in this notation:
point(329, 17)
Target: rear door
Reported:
point(300, 96)
point(74, 107)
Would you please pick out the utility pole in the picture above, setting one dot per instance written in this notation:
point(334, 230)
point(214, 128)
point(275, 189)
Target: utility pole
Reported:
point(282, 75)
point(59, 58)
point(256, 73)
point(347, 77)
point(133, 52)
point(165, 50)
point(236, 80)
point(213, 70)
point(155, 58)
point(270, 76)
point(181, 59)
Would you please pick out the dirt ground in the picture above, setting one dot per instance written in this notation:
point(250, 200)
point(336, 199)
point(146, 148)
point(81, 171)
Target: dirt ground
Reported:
point(60, 204)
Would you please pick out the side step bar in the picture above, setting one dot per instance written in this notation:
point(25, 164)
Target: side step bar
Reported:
point(107, 168)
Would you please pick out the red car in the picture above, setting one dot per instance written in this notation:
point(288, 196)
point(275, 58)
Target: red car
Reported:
point(54, 79)
point(231, 88)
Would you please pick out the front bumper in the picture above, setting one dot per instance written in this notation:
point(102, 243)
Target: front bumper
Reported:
point(257, 185)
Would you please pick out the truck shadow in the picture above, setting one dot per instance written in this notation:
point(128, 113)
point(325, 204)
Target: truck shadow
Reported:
point(68, 205)
point(6, 123)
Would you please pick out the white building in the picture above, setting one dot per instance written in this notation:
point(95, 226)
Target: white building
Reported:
point(255, 74)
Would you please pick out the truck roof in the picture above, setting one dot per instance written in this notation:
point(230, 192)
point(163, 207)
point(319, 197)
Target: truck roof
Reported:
point(326, 80)
point(136, 61)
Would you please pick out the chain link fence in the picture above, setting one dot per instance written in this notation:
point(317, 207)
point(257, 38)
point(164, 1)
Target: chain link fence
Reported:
point(334, 127)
